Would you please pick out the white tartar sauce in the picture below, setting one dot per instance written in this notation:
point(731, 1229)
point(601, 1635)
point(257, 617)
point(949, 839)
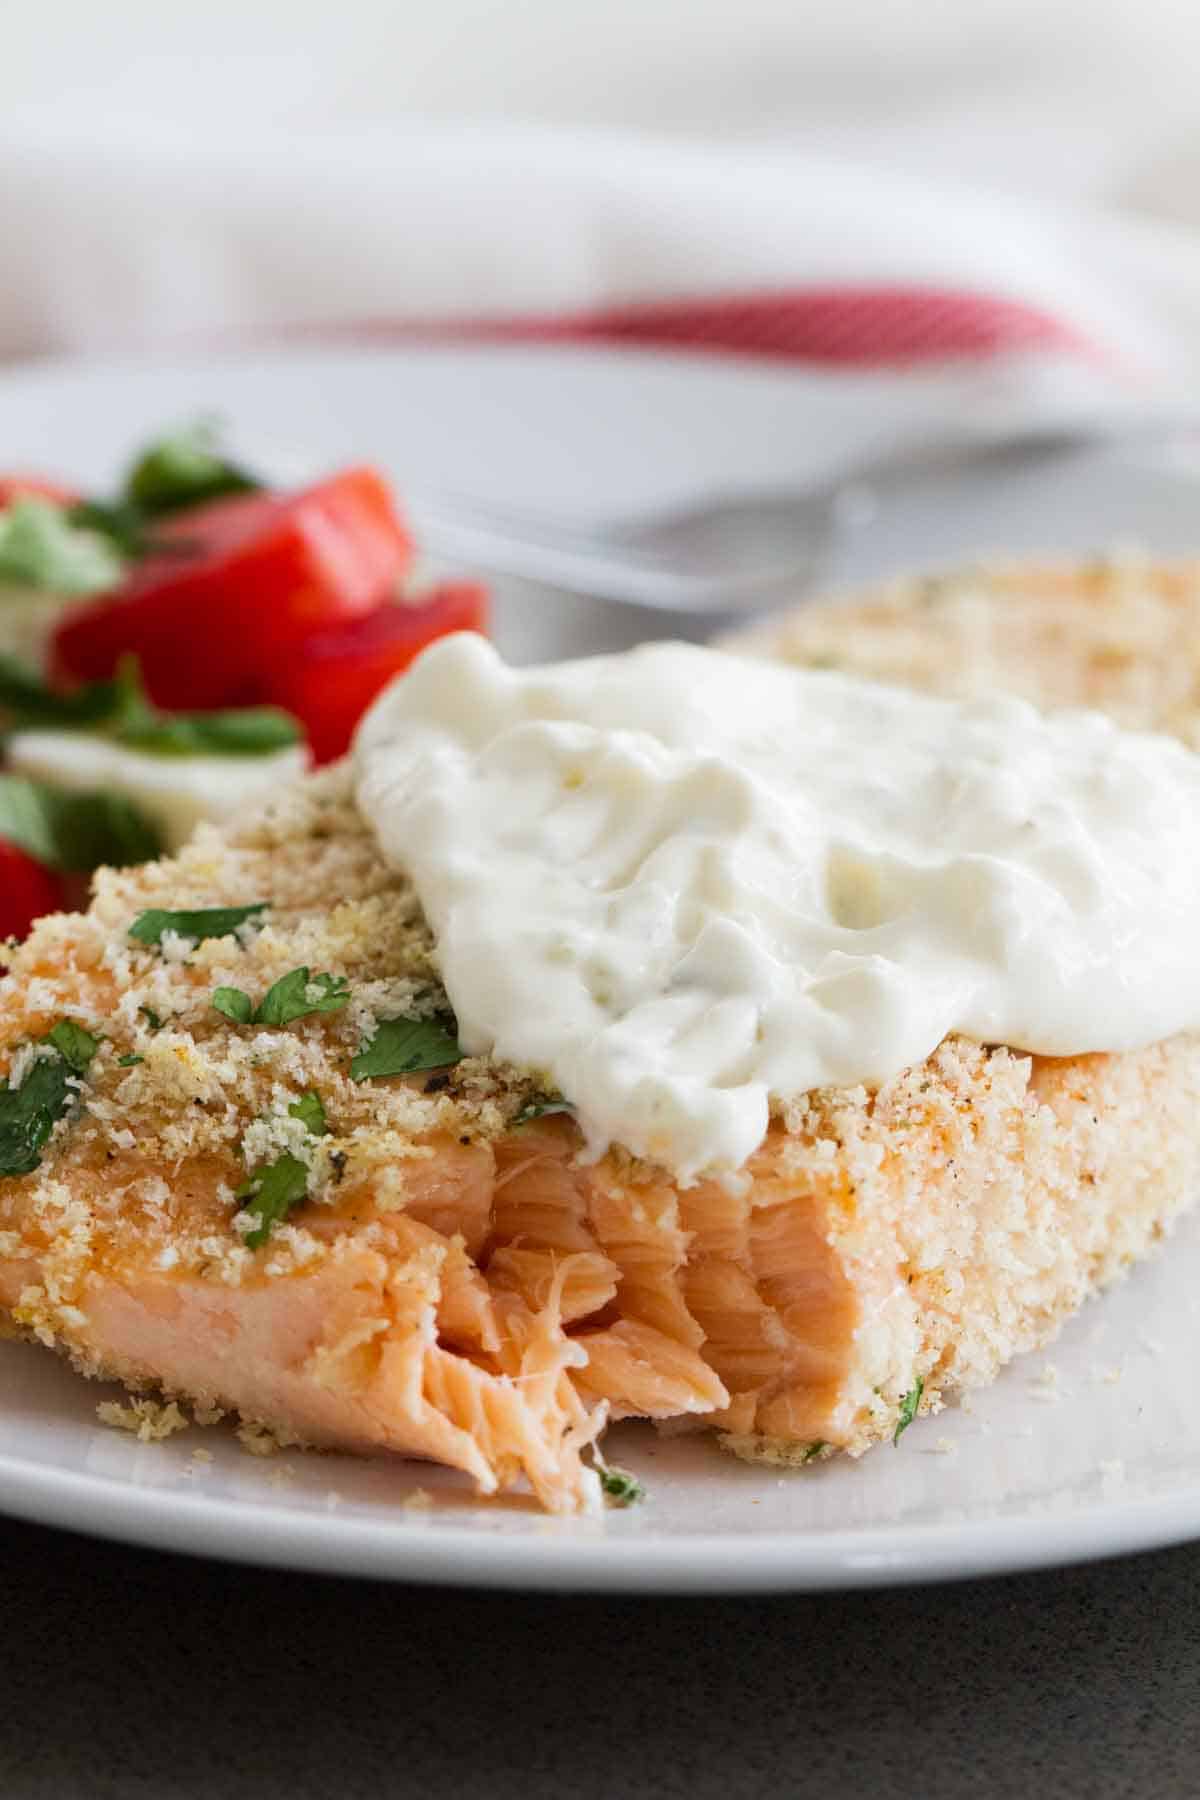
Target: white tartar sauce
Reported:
point(677, 884)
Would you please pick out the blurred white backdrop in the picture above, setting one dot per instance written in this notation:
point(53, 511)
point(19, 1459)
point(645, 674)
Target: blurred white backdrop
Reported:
point(1090, 99)
point(169, 169)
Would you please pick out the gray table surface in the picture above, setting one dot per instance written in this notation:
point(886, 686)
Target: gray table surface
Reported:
point(124, 1673)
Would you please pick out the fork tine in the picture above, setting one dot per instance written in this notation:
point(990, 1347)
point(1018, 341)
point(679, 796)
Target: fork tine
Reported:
point(448, 513)
point(632, 579)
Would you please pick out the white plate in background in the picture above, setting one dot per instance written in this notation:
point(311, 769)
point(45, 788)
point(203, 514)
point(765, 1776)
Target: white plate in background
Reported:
point(1088, 1450)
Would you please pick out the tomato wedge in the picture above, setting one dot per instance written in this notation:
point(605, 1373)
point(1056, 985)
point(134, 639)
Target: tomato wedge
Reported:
point(232, 586)
point(332, 677)
point(27, 890)
point(33, 487)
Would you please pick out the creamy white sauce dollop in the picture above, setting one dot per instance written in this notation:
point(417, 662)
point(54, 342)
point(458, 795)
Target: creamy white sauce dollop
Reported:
point(677, 883)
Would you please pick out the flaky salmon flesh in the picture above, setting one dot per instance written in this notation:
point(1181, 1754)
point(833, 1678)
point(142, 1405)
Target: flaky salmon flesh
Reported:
point(453, 1280)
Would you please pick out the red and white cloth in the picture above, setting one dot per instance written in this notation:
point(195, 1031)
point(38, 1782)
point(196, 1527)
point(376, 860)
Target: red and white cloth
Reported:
point(917, 309)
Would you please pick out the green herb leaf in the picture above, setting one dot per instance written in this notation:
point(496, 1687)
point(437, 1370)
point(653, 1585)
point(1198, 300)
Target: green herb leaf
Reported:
point(248, 731)
point(128, 1062)
point(183, 469)
point(153, 1022)
point(41, 546)
point(298, 993)
point(29, 1113)
point(294, 996)
point(75, 1045)
point(242, 731)
point(538, 1109)
point(130, 701)
point(812, 1451)
point(121, 710)
point(622, 1488)
point(119, 523)
point(401, 1046)
point(76, 832)
point(234, 1003)
point(270, 1195)
point(208, 922)
point(103, 829)
point(21, 690)
point(908, 1409)
point(28, 818)
point(25, 699)
point(311, 1111)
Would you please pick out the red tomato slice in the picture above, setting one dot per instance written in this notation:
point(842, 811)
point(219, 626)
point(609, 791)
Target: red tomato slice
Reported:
point(27, 890)
point(234, 587)
point(26, 487)
point(331, 678)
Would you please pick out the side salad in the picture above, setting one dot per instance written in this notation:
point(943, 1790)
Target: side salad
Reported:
point(176, 649)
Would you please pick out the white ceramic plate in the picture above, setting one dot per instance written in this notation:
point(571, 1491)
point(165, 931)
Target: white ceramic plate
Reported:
point(1092, 1450)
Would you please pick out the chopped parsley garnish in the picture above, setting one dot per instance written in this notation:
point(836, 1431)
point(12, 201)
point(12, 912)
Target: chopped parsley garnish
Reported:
point(908, 1409)
point(29, 1113)
point(622, 1488)
point(298, 994)
point(812, 1451)
point(234, 1004)
point(538, 1109)
point(270, 1194)
point(293, 996)
point(75, 1045)
point(153, 1022)
point(402, 1046)
point(121, 711)
point(42, 546)
point(209, 922)
point(128, 1062)
point(311, 1112)
point(75, 832)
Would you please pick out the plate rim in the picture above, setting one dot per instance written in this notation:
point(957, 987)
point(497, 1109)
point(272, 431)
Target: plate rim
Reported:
point(266, 1535)
point(47, 367)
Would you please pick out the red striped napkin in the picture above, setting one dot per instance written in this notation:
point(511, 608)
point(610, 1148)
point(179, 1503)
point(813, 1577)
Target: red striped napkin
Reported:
point(914, 309)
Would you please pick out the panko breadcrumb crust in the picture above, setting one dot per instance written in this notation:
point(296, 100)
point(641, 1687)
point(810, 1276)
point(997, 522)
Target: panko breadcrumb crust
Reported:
point(917, 1235)
point(1120, 633)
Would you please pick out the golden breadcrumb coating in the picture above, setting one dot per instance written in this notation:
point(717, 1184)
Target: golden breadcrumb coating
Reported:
point(1119, 633)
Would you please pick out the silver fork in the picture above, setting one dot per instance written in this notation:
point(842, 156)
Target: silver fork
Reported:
point(713, 556)
point(721, 554)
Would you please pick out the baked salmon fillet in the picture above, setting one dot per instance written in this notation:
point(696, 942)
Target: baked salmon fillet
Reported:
point(448, 1279)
